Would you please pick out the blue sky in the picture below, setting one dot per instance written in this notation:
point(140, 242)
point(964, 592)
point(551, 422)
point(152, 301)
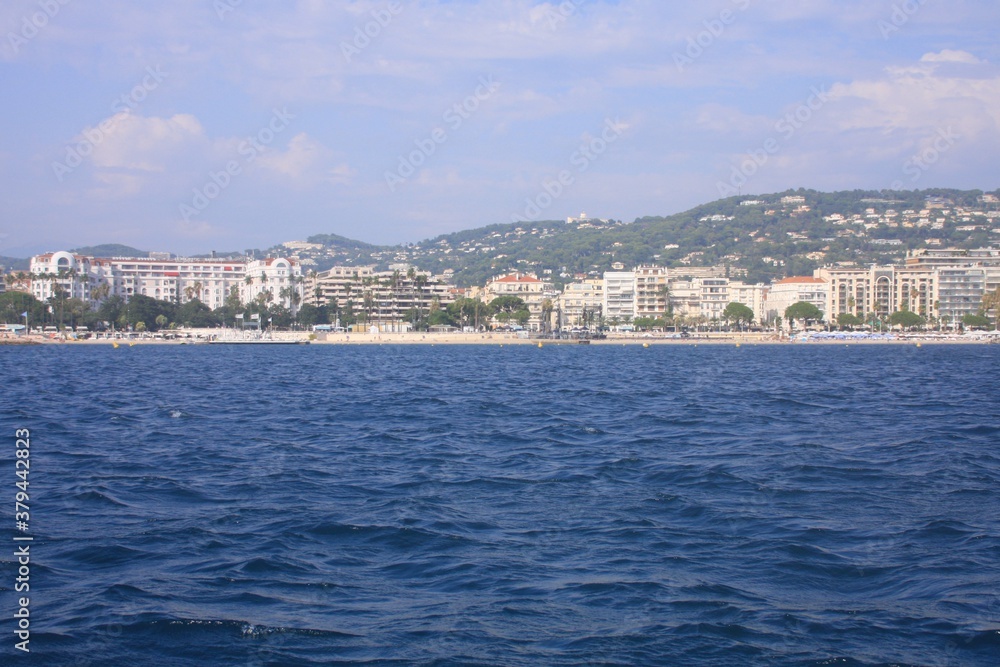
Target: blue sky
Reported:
point(229, 124)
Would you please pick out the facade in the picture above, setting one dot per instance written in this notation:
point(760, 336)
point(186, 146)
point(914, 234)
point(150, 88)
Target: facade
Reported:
point(179, 280)
point(534, 292)
point(651, 292)
point(273, 280)
point(753, 297)
point(929, 288)
point(619, 296)
point(581, 304)
point(788, 291)
point(714, 298)
point(388, 300)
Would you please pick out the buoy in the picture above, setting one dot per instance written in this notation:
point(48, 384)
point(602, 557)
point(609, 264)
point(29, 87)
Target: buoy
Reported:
point(918, 344)
point(114, 344)
point(737, 344)
point(539, 345)
point(645, 344)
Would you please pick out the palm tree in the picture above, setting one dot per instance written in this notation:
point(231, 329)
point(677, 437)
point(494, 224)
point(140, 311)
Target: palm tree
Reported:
point(547, 308)
point(990, 302)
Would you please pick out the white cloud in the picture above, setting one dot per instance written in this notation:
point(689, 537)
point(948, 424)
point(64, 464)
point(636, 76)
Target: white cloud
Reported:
point(949, 56)
point(306, 162)
point(133, 142)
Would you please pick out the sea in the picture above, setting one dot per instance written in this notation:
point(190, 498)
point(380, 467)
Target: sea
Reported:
point(487, 505)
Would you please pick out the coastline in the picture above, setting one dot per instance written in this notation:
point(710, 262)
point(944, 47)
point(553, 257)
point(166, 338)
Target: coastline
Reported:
point(468, 339)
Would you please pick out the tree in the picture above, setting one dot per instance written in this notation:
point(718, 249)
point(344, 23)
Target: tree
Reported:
point(906, 319)
point(738, 314)
point(194, 313)
point(803, 311)
point(991, 302)
point(849, 320)
point(978, 321)
point(12, 304)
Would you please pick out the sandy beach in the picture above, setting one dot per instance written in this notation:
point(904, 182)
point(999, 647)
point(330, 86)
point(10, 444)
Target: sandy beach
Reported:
point(201, 337)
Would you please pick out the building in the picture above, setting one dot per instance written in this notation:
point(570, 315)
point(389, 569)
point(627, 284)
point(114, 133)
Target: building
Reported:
point(619, 296)
point(784, 293)
point(386, 300)
point(539, 296)
point(178, 280)
point(930, 288)
point(581, 304)
point(753, 297)
point(651, 292)
point(273, 280)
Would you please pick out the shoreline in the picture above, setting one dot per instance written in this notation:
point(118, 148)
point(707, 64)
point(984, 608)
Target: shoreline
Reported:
point(467, 339)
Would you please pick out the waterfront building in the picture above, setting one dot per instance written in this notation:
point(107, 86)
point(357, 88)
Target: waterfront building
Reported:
point(934, 287)
point(539, 296)
point(619, 296)
point(389, 301)
point(785, 292)
point(273, 280)
point(178, 279)
point(753, 297)
point(581, 304)
point(651, 292)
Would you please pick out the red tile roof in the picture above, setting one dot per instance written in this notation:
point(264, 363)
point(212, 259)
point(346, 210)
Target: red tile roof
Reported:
point(515, 278)
point(800, 280)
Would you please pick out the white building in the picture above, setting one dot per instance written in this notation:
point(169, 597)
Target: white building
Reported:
point(274, 280)
point(581, 303)
point(619, 296)
point(178, 280)
point(534, 292)
point(788, 291)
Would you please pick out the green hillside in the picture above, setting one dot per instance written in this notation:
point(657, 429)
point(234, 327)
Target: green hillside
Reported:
point(760, 241)
point(110, 250)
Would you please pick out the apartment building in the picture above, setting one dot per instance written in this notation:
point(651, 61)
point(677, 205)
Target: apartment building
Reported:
point(178, 280)
point(581, 303)
point(534, 292)
point(619, 296)
point(389, 299)
point(784, 293)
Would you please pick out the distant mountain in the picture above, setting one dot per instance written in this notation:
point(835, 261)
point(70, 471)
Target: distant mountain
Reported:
point(758, 237)
point(110, 250)
point(9, 264)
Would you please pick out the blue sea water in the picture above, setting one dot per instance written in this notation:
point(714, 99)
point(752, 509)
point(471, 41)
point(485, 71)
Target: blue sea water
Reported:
point(571, 505)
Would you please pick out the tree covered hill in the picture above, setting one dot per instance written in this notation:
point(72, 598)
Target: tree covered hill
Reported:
point(759, 237)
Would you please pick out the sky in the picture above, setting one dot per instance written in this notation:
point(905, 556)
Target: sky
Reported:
point(198, 125)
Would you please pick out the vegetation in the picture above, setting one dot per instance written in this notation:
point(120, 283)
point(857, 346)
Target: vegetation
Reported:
point(757, 243)
point(848, 320)
point(977, 321)
point(110, 250)
point(906, 319)
point(738, 314)
point(803, 311)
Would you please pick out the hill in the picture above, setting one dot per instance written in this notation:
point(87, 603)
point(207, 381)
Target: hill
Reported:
point(110, 250)
point(760, 237)
point(14, 264)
